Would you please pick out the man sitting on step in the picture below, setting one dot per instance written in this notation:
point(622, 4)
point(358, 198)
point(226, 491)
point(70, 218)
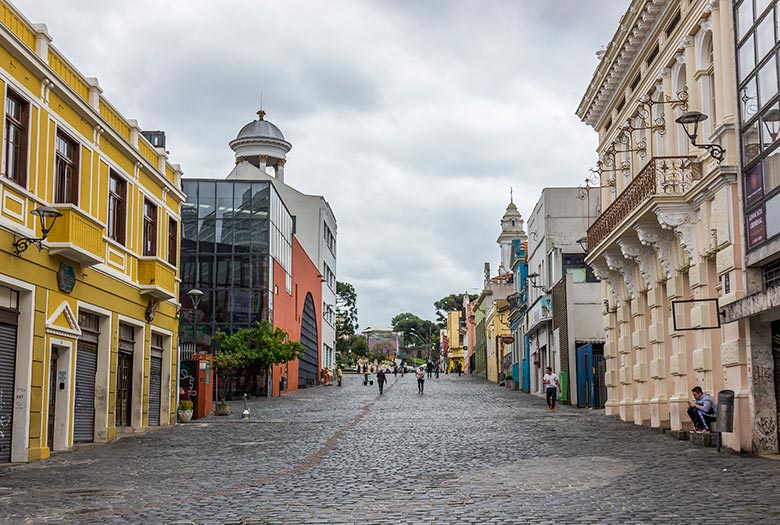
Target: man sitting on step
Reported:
point(702, 410)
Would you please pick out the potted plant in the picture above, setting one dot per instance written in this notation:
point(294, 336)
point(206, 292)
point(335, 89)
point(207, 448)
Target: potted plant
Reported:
point(223, 409)
point(184, 411)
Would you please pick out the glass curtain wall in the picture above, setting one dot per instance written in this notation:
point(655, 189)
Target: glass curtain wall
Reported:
point(758, 45)
point(230, 229)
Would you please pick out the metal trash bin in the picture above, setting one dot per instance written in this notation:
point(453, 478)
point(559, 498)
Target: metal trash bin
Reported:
point(725, 421)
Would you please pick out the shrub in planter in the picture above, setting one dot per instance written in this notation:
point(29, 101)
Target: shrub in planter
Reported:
point(223, 409)
point(184, 411)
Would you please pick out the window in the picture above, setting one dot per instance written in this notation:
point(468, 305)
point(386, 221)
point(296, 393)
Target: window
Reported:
point(330, 239)
point(673, 24)
point(66, 170)
point(16, 138)
point(117, 215)
point(150, 228)
point(173, 240)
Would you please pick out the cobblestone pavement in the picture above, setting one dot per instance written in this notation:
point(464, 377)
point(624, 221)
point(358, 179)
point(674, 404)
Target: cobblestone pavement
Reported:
point(464, 452)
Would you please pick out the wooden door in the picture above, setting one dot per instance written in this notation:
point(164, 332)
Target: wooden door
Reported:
point(124, 388)
point(52, 399)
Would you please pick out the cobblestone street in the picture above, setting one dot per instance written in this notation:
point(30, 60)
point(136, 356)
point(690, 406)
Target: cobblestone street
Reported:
point(465, 452)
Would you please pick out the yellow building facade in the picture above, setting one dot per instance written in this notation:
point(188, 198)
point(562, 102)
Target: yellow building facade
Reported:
point(496, 328)
point(88, 318)
point(456, 339)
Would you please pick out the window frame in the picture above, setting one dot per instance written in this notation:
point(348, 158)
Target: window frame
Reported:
point(63, 194)
point(150, 228)
point(23, 126)
point(173, 238)
point(115, 230)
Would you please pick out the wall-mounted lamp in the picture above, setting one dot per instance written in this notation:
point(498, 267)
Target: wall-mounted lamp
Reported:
point(772, 123)
point(583, 242)
point(532, 278)
point(690, 123)
point(47, 216)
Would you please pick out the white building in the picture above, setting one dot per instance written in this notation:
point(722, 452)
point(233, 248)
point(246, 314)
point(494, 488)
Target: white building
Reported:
point(260, 145)
point(558, 277)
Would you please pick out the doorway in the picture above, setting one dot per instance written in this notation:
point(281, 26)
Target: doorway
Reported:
point(52, 411)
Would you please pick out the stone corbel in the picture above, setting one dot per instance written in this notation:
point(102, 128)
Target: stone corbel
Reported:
point(46, 86)
point(602, 271)
point(711, 6)
point(664, 73)
point(686, 41)
point(661, 241)
point(97, 132)
point(624, 267)
point(643, 256)
point(682, 220)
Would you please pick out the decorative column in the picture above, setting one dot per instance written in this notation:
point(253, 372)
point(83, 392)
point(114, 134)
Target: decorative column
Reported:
point(618, 263)
point(660, 241)
point(644, 258)
point(610, 280)
point(280, 170)
point(680, 219)
point(262, 162)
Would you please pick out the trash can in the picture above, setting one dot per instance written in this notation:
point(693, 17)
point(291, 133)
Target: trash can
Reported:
point(283, 384)
point(725, 421)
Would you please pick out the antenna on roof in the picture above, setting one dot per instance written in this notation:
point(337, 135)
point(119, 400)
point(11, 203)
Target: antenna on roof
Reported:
point(511, 197)
point(261, 113)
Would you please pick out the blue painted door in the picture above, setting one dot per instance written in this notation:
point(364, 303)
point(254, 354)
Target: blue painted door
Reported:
point(585, 375)
point(526, 367)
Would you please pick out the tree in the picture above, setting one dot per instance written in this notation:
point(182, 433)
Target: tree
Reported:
point(450, 303)
point(354, 345)
point(416, 331)
point(256, 349)
point(346, 309)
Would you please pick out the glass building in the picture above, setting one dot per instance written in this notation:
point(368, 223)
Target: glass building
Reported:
point(230, 232)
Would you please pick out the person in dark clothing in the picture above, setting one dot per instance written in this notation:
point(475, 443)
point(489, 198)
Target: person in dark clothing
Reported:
point(429, 369)
point(420, 380)
point(437, 368)
point(459, 367)
point(381, 380)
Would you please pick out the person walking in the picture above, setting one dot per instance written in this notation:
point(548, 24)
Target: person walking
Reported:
point(437, 368)
point(429, 369)
point(395, 370)
point(551, 386)
point(460, 368)
point(420, 380)
point(339, 374)
point(381, 380)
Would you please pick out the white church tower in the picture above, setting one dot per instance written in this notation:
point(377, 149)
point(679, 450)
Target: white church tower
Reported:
point(511, 229)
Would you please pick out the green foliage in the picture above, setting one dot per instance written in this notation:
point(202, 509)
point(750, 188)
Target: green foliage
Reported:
point(449, 303)
point(185, 404)
point(346, 309)
point(355, 344)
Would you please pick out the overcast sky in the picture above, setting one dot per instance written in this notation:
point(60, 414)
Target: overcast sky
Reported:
point(412, 117)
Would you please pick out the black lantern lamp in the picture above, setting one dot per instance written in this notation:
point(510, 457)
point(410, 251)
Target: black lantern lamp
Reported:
point(583, 242)
point(47, 215)
point(690, 123)
point(772, 123)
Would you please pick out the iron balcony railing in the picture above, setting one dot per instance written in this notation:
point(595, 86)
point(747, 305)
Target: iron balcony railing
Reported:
point(660, 176)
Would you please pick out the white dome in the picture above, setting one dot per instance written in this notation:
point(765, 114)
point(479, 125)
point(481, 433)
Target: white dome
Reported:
point(260, 129)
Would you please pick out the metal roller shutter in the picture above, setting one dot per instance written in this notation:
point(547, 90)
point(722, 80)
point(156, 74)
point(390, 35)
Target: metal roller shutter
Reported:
point(84, 409)
point(308, 361)
point(155, 390)
point(7, 372)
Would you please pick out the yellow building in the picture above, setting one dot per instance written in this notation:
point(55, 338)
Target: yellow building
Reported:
point(496, 328)
point(455, 338)
point(87, 315)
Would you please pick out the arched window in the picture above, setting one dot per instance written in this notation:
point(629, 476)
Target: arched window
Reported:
point(710, 81)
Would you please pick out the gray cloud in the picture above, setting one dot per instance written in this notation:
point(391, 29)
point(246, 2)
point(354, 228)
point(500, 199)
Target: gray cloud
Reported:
point(412, 118)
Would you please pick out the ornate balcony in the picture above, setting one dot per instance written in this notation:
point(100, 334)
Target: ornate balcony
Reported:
point(661, 176)
point(77, 236)
point(156, 278)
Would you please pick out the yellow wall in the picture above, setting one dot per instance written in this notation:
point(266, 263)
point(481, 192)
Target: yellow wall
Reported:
point(108, 278)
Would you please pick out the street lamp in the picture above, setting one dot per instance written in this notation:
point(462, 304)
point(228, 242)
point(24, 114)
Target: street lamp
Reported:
point(532, 277)
point(195, 296)
point(772, 122)
point(47, 215)
point(690, 123)
point(583, 242)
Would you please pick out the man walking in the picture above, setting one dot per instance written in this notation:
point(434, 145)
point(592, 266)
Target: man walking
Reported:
point(381, 380)
point(429, 368)
point(551, 386)
point(339, 374)
point(420, 380)
point(702, 410)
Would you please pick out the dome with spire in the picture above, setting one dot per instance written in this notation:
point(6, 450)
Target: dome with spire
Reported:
point(261, 129)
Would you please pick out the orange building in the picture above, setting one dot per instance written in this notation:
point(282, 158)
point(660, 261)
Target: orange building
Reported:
point(297, 313)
